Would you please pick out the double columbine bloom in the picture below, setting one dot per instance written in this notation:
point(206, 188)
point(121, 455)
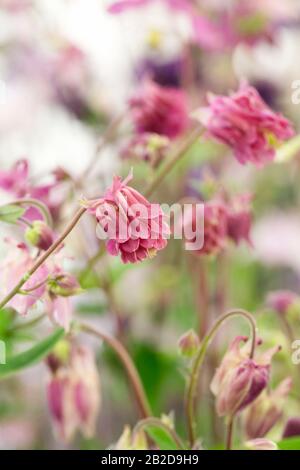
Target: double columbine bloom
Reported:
point(239, 380)
point(134, 228)
point(73, 393)
point(245, 123)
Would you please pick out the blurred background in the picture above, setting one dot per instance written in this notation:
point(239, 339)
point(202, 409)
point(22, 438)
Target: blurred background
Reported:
point(67, 68)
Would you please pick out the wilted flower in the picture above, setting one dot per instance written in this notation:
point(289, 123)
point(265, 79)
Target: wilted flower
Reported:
point(151, 148)
point(292, 427)
point(39, 234)
point(261, 444)
point(159, 110)
point(282, 300)
point(188, 344)
point(73, 393)
point(240, 379)
point(239, 219)
point(246, 124)
point(266, 410)
point(135, 228)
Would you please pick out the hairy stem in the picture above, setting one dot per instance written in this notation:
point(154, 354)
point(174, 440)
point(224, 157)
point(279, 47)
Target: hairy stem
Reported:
point(43, 257)
point(194, 377)
point(128, 364)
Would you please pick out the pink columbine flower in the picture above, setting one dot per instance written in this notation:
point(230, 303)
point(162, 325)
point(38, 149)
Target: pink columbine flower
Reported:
point(73, 394)
point(282, 300)
point(159, 110)
point(239, 219)
point(246, 124)
point(266, 410)
point(16, 265)
point(134, 227)
point(239, 380)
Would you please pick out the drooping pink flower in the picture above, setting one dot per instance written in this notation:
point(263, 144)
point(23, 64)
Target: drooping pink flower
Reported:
point(239, 219)
point(246, 124)
point(73, 394)
point(159, 110)
point(239, 380)
point(134, 227)
point(39, 234)
point(282, 300)
point(292, 427)
point(266, 410)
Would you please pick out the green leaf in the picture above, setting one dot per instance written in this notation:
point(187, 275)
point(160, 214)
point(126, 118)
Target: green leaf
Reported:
point(161, 437)
point(31, 356)
point(290, 443)
point(10, 213)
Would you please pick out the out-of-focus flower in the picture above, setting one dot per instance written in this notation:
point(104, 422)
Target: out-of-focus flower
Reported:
point(215, 228)
point(64, 284)
point(239, 219)
point(159, 110)
point(39, 234)
point(266, 410)
point(261, 444)
point(246, 124)
point(130, 441)
point(188, 344)
point(73, 393)
point(168, 74)
point(135, 228)
point(16, 265)
point(292, 427)
point(239, 380)
point(282, 300)
point(151, 148)
point(16, 181)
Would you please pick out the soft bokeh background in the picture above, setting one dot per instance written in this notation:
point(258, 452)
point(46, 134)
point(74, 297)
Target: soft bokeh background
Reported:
point(67, 68)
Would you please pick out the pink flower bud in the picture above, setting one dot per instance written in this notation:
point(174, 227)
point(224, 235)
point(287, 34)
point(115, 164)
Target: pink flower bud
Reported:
point(282, 300)
point(239, 219)
point(292, 428)
point(64, 284)
point(159, 110)
point(189, 344)
point(261, 444)
point(73, 394)
point(39, 235)
point(245, 123)
point(266, 410)
point(239, 380)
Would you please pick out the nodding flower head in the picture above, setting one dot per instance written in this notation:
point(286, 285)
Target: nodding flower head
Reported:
point(244, 122)
point(39, 234)
point(73, 394)
point(159, 110)
point(134, 228)
point(239, 219)
point(240, 379)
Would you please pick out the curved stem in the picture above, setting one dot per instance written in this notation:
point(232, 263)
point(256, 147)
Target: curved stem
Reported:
point(180, 151)
point(157, 422)
point(30, 323)
point(229, 434)
point(128, 364)
point(194, 377)
point(43, 257)
point(39, 205)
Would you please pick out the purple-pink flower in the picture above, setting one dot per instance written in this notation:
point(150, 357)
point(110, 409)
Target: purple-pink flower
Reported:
point(244, 122)
point(159, 110)
point(134, 227)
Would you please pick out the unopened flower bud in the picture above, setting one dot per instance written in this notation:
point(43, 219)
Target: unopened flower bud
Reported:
point(282, 301)
point(130, 441)
point(64, 285)
point(266, 410)
point(188, 344)
point(261, 444)
point(292, 428)
point(39, 235)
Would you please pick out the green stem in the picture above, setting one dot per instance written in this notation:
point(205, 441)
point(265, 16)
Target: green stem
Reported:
point(43, 257)
point(229, 433)
point(128, 364)
point(194, 377)
point(158, 423)
point(180, 151)
point(39, 205)
point(29, 324)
